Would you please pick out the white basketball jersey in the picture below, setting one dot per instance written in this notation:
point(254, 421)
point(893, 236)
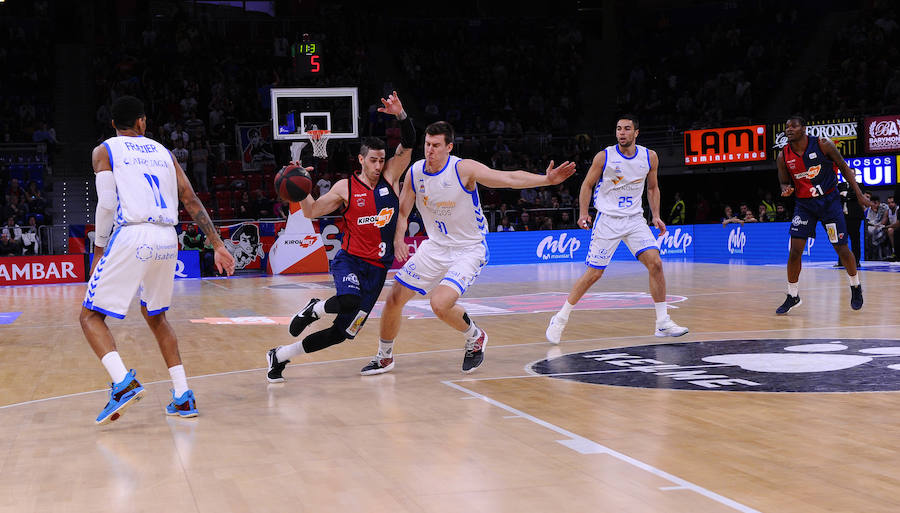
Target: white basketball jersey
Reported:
point(451, 213)
point(621, 185)
point(146, 184)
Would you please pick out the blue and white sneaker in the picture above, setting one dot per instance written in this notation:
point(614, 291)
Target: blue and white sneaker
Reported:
point(668, 328)
point(184, 406)
point(121, 396)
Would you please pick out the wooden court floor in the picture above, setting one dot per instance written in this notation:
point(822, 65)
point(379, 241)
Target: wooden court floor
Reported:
point(426, 438)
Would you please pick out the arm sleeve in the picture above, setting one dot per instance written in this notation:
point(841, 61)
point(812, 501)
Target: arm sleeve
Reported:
point(407, 133)
point(106, 205)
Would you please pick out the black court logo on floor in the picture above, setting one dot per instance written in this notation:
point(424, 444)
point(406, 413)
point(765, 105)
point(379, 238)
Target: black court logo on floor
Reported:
point(767, 365)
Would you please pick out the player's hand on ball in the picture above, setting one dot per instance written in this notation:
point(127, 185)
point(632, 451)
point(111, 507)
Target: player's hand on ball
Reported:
point(584, 222)
point(224, 260)
point(787, 190)
point(558, 174)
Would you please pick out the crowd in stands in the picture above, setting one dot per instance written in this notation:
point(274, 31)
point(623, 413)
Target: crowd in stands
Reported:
point(27, 85)
point(195, 72)
point(712, 63)
point(862, 75)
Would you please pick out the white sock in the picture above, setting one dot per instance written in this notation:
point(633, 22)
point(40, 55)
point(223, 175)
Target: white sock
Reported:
point(564, 311)
point(854, 280)
point(179, 381)
point(385, 348)
point(472, 331)
point(794, 288)
point(661, 310)
point(319, 309)
point(285, 353)
point(114, 366)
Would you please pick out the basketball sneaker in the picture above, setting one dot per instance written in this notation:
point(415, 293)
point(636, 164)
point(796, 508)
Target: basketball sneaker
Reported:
point(793, 301)
point(668, 328)
point(121, 396)
point(304, 318)
point(275, 368)
point(184, 406)
point(555, 329)
point(378, 365)
point(474, 352)
point(856, 299)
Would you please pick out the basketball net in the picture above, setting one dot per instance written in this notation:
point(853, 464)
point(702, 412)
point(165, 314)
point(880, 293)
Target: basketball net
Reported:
point(319, 141)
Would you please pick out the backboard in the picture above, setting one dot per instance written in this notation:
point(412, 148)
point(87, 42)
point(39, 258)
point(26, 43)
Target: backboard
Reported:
point(296, 110)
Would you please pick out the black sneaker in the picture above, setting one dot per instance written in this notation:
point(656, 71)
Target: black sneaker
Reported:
point(275, 367)
point(788, 304)
point(856, 299)
point(474, 353)
point(378, 365)
point(304, 318)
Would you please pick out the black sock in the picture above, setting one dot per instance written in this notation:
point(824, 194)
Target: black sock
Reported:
point(322, 339)
point(333, 305)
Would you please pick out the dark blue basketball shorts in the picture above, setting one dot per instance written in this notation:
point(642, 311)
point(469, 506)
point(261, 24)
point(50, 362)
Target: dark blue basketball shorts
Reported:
point(828, 210)
point(353, 275)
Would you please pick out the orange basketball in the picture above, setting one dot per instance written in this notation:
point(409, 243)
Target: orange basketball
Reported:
point(292, 183)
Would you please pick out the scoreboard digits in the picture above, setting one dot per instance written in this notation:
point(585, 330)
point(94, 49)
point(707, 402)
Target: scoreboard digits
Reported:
point(307, 57)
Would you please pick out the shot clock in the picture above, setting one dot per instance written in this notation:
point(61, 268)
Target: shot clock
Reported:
point(307, 57)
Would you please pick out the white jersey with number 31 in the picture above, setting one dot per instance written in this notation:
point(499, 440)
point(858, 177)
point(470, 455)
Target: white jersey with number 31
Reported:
point(621, 185)
point(452, 214)
point(146, 184)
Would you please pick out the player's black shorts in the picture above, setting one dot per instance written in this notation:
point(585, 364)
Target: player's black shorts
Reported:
point(353, 275)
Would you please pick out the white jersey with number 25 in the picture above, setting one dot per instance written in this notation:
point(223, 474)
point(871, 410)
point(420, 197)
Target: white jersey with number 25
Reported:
point(621, 185)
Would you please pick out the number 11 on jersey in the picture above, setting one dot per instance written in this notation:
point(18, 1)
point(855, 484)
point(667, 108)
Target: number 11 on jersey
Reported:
point(153, 180)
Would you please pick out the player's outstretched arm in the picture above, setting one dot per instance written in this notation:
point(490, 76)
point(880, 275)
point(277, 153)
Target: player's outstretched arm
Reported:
point(223, 259)
point(407, 200)
point(397, 164)
point(586, 194)
point(653, 193)
point(472, 172)
point(849, 175)
point(331, 201)
point(784, 178)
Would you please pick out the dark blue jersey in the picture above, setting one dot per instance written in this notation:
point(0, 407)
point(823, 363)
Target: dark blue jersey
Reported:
point(813, 173)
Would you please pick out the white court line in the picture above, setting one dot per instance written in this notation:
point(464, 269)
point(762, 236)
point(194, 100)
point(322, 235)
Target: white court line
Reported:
point(435, 351)
point(583, 443)
point(210, 282)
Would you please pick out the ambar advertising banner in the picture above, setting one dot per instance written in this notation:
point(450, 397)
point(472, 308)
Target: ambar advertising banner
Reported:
point(34, 270)
point(882, 134)
point(843, 133)
point(725, 145)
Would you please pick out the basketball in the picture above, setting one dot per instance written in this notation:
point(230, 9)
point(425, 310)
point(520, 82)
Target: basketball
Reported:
point(292, 183)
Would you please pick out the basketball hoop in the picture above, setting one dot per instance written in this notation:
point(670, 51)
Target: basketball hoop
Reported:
point(319, 141)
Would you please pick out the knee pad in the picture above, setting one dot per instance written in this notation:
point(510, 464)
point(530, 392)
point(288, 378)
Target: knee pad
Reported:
point(349, 303)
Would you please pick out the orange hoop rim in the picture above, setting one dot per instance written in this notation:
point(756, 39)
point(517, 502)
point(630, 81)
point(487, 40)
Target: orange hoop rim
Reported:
point(315, 135)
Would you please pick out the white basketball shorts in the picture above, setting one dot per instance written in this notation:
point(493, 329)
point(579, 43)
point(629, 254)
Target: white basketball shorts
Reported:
point(434, 264)
point(610, 230)
point(138, 256)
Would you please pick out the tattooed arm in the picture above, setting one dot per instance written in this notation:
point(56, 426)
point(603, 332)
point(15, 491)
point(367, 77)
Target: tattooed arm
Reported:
point(193, 205)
